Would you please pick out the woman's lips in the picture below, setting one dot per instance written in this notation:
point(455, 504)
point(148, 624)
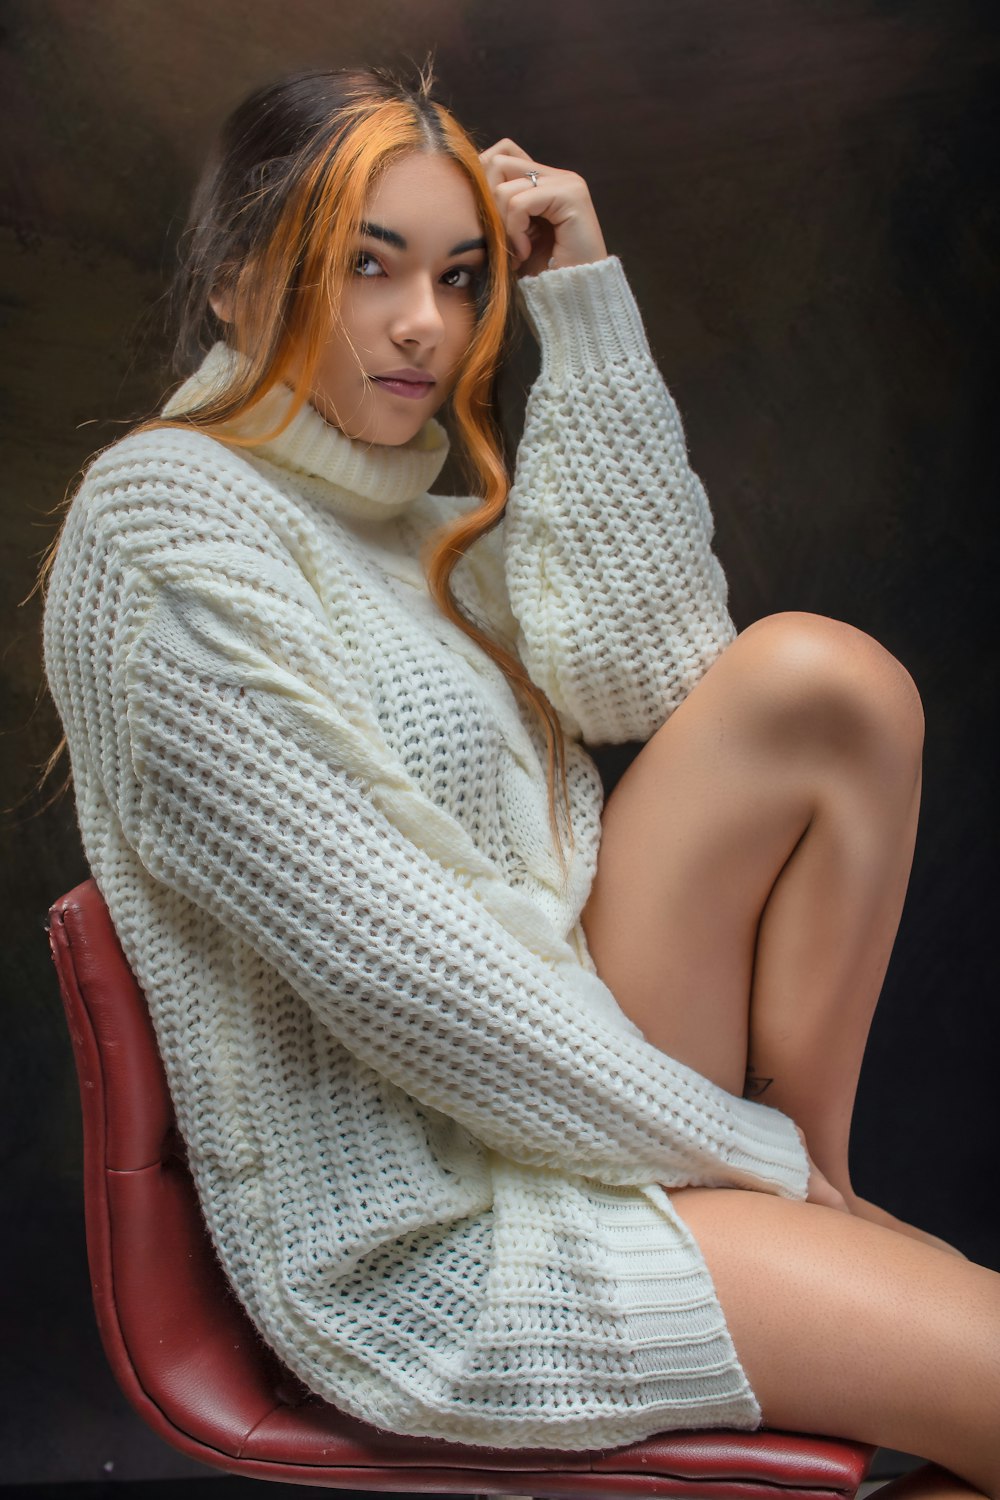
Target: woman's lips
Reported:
point(412, 389)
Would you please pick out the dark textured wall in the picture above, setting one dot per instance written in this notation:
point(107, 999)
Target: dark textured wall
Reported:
point(801, 193)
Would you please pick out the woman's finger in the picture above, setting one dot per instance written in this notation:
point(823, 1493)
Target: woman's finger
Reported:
point(547, 211)
point(506, 161)
point(507, 168)
point(505, 147)
point(506, 165)
point(525, 207)
point(550, 194)
point(820, 1189)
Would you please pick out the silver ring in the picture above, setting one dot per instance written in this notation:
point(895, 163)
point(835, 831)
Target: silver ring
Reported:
point(534, 178)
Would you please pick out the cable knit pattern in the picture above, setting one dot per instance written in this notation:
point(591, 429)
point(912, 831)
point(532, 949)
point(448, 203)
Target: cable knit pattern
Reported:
point(430, 1147)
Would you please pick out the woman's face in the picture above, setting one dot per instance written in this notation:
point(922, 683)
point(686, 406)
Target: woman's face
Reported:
point(409, 304)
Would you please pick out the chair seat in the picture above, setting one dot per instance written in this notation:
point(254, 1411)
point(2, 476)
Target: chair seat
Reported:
point(194, 1367)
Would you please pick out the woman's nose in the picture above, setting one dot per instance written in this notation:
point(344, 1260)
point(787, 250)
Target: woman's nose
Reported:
point(418, 316)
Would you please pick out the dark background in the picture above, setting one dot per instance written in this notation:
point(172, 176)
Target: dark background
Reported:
point(801, 192)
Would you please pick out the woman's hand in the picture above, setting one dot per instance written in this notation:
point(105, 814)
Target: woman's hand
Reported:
point(820, 1189)
point(549, 225)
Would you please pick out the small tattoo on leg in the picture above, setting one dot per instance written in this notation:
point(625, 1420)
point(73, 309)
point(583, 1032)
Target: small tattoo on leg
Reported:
point(755, 1086)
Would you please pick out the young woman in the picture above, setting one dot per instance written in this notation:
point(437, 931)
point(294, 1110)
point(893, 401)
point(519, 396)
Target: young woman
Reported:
point(512, 1125)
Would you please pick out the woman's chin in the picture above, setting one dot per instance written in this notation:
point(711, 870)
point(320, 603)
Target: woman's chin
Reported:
point(383, 434)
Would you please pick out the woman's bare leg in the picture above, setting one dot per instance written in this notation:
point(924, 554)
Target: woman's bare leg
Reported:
point(753, 865)
point(852, 1330)
point(930, 1482)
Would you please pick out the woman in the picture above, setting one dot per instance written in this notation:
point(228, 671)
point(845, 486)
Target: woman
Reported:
point(465, 1103)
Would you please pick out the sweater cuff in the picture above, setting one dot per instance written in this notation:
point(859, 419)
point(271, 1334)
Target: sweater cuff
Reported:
point(584, 317)
point(769, 1147)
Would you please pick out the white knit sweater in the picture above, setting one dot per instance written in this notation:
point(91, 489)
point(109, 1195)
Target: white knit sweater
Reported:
point(428, 1143)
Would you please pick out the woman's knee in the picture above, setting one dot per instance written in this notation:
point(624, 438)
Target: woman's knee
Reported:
point(814, 678)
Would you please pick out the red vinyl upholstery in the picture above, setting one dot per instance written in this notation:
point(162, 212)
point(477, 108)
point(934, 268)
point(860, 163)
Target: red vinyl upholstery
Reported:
point(194, 1367)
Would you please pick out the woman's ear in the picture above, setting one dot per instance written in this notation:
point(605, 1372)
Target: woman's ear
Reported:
point(221, 303)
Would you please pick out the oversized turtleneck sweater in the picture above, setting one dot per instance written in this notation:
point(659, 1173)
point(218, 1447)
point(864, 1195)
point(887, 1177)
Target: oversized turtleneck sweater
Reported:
point(430, 1148)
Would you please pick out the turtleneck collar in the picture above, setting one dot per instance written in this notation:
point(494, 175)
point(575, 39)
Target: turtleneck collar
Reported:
point(368, 481)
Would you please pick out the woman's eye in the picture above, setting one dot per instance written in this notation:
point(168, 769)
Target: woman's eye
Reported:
point(365, 255)
point(461, 271)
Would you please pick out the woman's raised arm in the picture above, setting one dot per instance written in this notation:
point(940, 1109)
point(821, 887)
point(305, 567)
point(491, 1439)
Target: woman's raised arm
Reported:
point(606, 540)
point(620, 600)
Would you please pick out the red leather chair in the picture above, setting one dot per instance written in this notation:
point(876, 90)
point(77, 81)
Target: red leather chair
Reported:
point(194, 1367)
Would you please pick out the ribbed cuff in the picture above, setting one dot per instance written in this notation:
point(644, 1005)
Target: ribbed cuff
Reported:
point(768, 1146)
point(584, 317)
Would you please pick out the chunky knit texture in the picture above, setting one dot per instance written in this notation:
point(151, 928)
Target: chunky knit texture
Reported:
point(430, 1147)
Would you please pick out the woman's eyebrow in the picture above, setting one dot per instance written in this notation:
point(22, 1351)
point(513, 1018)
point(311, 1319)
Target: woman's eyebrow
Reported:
point(379, 232)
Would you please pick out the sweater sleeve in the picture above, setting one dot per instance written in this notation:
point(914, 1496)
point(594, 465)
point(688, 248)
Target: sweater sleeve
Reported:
point(619, 598)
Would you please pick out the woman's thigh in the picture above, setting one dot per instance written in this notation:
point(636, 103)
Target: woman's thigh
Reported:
point(849, 1329)
point(692, 837)
point(702, 822)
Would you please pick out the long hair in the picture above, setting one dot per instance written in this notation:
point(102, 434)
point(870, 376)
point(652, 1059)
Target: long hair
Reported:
point(272, 230)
